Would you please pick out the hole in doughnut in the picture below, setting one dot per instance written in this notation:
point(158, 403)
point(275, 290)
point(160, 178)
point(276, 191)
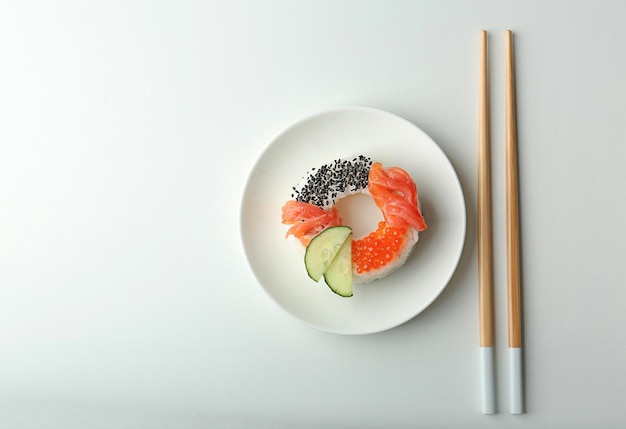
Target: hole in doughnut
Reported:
point(359, 212)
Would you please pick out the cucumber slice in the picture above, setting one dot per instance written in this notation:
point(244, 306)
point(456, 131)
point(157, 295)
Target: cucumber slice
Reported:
point(338, 276)
point(323, 248)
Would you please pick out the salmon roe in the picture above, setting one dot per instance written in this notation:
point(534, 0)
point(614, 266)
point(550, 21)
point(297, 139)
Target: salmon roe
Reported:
point(378, 248)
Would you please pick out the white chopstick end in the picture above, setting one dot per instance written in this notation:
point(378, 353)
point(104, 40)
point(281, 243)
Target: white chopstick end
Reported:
point(488, 380)
point(516, 382)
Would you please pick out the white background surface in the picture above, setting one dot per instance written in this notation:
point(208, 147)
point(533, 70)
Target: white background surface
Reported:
point(127, 129)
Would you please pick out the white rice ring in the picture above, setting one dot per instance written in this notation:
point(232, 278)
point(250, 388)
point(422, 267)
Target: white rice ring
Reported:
point(323, 186)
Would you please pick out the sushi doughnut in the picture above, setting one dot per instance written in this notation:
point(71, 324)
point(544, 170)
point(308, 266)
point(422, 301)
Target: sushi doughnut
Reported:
point(311, 209)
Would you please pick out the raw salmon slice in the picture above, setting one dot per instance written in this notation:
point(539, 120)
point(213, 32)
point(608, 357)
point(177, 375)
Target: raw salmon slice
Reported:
point(307, 220)
point(395, 194)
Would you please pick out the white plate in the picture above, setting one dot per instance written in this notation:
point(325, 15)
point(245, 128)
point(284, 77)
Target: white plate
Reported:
point(278, 262)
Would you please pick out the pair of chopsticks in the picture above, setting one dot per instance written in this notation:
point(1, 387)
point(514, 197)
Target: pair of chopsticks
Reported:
point(485, 257)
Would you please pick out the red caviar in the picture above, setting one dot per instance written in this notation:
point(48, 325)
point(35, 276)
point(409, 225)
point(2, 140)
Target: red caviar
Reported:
point(377, 248)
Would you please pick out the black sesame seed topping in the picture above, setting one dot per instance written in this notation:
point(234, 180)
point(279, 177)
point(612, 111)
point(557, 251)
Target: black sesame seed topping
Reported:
point(324, 184)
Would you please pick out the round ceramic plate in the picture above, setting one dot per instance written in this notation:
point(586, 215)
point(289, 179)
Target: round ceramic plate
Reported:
point(278, 262)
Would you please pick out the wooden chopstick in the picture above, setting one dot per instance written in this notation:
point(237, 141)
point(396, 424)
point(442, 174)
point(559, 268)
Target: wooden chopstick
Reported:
point(485, 256)
point(512, 234)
